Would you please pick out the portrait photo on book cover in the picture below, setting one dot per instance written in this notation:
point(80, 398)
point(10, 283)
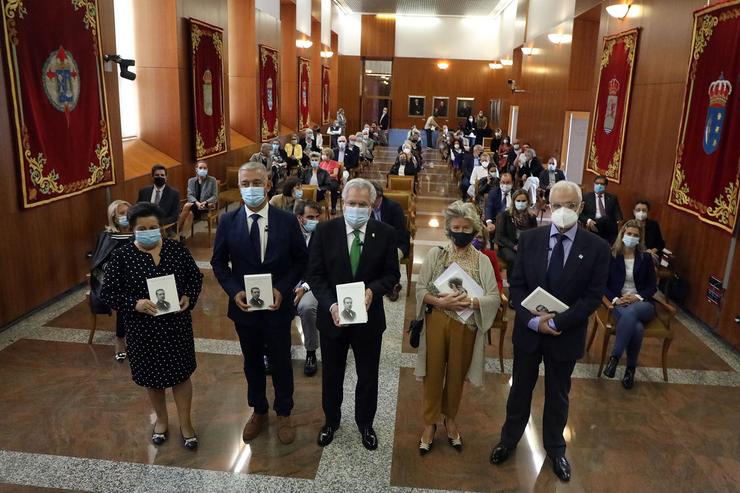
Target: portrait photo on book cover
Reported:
point(163, 293)
point(258, 288)
point(351, 303)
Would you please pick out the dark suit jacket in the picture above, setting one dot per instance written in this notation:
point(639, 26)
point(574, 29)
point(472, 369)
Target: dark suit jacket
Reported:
point(532, 168)
point(286, 256)
point(467, 169)
point(643, 273)
point(493, 204)
point(309, 149)
point(169, 203)
point(351, 156)
point(581, 287)
point(506, 230)
point(409, 170)
point(391, 213)
point(545, 177)
point(329, 265)
point(322, 177)
point(653, 236)
point(611, 207)
point(383, 122)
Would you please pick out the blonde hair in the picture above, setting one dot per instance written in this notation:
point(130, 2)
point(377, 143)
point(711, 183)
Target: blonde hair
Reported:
point(618, 246)
point(112, 226)
point(514, 195)
point(463, 210)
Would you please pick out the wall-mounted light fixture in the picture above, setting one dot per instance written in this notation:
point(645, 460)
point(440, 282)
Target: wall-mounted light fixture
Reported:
point(327, 53)
point(385, 16)
point(527, 50)
point(619, 10)
point(507, 62)
point(495, 65)
point(303, 43)
point(558, 39)
point(443, 65)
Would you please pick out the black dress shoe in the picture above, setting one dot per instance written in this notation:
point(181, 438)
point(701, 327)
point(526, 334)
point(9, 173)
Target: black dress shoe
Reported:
point(611, 367)
point(561, 467)
point(326, 435)
point(500, 454)
point(159, 438)
point(190, 443)
point(628, 381)
point(268, 366)
point(309, 369)
point(369, 438)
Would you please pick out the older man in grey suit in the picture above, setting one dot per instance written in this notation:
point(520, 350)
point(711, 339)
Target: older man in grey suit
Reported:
point(202, 196)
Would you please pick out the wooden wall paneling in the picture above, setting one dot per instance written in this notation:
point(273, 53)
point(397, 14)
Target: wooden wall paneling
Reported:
point(378, 37)
point(242, 39)
point(334, 76)
point(314, 54)
point(288, 67)
point(349, 89)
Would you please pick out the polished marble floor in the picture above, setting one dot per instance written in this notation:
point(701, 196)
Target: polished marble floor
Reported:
point(71, 419)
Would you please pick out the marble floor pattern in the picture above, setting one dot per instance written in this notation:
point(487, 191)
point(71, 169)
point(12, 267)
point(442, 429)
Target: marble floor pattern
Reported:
point(72, 420)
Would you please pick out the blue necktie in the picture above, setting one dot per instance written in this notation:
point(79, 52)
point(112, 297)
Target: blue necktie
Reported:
point(254, 235)
point(557, 259)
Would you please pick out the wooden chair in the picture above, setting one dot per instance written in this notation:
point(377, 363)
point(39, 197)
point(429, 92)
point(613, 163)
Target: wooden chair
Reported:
point(401, 183)
point(230, 193)
point(405, 200)
point(658, 328)
point(487, 143)
point(501, 322)
point(408, 261)
point(311, 192)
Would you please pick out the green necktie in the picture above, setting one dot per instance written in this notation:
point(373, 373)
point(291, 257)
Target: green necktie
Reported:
point(354, 252)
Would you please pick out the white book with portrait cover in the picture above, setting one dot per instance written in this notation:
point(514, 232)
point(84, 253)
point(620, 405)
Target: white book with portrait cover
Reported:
point(455, 280)
point(259, 291)
point(540, 301)
point(163, 293)
point(351, 302)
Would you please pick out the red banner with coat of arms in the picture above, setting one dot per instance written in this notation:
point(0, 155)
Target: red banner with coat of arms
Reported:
point(706, 173)
point(304, 86)
point(269, 93)
point(612, 104)
point(54, 66)
point(325, 115)
point(207, 50)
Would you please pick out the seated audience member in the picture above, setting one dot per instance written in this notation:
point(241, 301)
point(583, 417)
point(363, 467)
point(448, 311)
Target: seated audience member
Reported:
point(654, 243)
point(161, 349)
point(550, 176)
point(334, 131)
point(510, 223)
point(161, 194)
point(390, 212)
point(630, 288)
point(263, 156)
point(308, 142)
point(116, 234)
point(321, 178)
point(329, 165)
point(456, 154)
point(601, 211)
point(530, 165)
point(365, 144)
point(202, 197)
point(480, 171)
point(341, 150)
point(482, 243)
point(294, 153)
point(278, 161)
point(443, 143)
point(490, 179)
point(404, 165)
point(351, 154)
point(292, 192)
point(308, 214)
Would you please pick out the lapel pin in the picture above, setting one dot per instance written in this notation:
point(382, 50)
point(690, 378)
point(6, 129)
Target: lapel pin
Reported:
point(580, 256)
point(373, 235)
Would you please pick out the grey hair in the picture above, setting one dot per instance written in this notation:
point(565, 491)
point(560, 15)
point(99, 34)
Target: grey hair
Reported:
point(252, 165)
point(529, 152)
point(463, 210)
point(568, 185)
point(362, 184)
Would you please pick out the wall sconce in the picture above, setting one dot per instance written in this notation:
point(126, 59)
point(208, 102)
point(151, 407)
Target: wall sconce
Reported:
point(557, 38)
point(619, 10)
point(303, 43)
point(327, 54)
point(527, 50)
point(507, 62)
point(495, 65)
point(443, 65)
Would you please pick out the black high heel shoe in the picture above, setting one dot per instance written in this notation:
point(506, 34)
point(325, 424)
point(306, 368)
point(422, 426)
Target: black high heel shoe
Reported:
point(190, 443)
point(159, 438)
point(455, 443)
point(425, 448)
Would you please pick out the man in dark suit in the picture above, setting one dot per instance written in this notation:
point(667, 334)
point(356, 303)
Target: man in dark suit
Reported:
point(166, 197)
point(351, 153)
point(352, 248)
point(498, 200)
point(572, 265)
point(260, 239)
point(391, 213)
point(466, 168)
point(601, 211)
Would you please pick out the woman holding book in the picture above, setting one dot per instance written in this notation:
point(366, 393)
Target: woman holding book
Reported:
point(161, 349)
point(452, 345)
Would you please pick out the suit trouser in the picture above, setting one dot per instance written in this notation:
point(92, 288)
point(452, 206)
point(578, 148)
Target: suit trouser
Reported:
point(307, 310)
point(275, 340)
point(557, 387)
point(365, 343)
point(449, 351)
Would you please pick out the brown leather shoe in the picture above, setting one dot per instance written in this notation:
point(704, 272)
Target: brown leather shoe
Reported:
point(286, 433)
point(254, 426)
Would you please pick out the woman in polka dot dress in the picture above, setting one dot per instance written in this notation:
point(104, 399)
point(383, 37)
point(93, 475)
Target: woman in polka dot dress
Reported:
point(161, 349)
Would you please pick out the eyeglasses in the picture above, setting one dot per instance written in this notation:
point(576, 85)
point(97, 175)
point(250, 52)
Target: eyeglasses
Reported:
point(570, 205)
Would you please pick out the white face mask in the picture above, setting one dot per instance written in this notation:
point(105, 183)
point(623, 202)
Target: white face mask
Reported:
point(640, 215)
point(484, 164)
point(564, 218)
point(407, 150)
point(522, 158)
point(506, 187)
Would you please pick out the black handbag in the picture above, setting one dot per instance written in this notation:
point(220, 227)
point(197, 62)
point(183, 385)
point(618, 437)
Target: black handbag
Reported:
point(415, 328)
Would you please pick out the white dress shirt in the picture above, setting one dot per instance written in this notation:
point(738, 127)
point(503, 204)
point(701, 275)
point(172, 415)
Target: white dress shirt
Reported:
point(402, 170)
point(351, 236)
point(340, 157)
point(263, 221)
point(154, 193)
point(599, 196)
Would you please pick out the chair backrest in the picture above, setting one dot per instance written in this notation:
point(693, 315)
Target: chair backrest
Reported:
point(401, 183)
point(402, 198)
point(232, 177)
point(487, 142)
point(310, 192)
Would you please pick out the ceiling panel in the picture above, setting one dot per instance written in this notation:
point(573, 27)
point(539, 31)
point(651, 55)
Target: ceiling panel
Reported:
point(423, 7)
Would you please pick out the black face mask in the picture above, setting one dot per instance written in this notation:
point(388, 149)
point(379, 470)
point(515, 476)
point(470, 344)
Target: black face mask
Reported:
point(159, 181)
point(461, 239)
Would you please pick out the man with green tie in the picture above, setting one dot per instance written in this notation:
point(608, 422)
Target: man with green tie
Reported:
point(352, 248)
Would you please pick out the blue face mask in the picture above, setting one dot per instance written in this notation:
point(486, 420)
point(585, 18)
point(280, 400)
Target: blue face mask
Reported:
point(298, 194)
point(314, 164)
point(202, 173)
point(599, 188)
point(310, 225)
point(520, 205)
point(356, 217)
point(148, 237)
point(122, 220)
point(253, 196)
point(630, 241)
